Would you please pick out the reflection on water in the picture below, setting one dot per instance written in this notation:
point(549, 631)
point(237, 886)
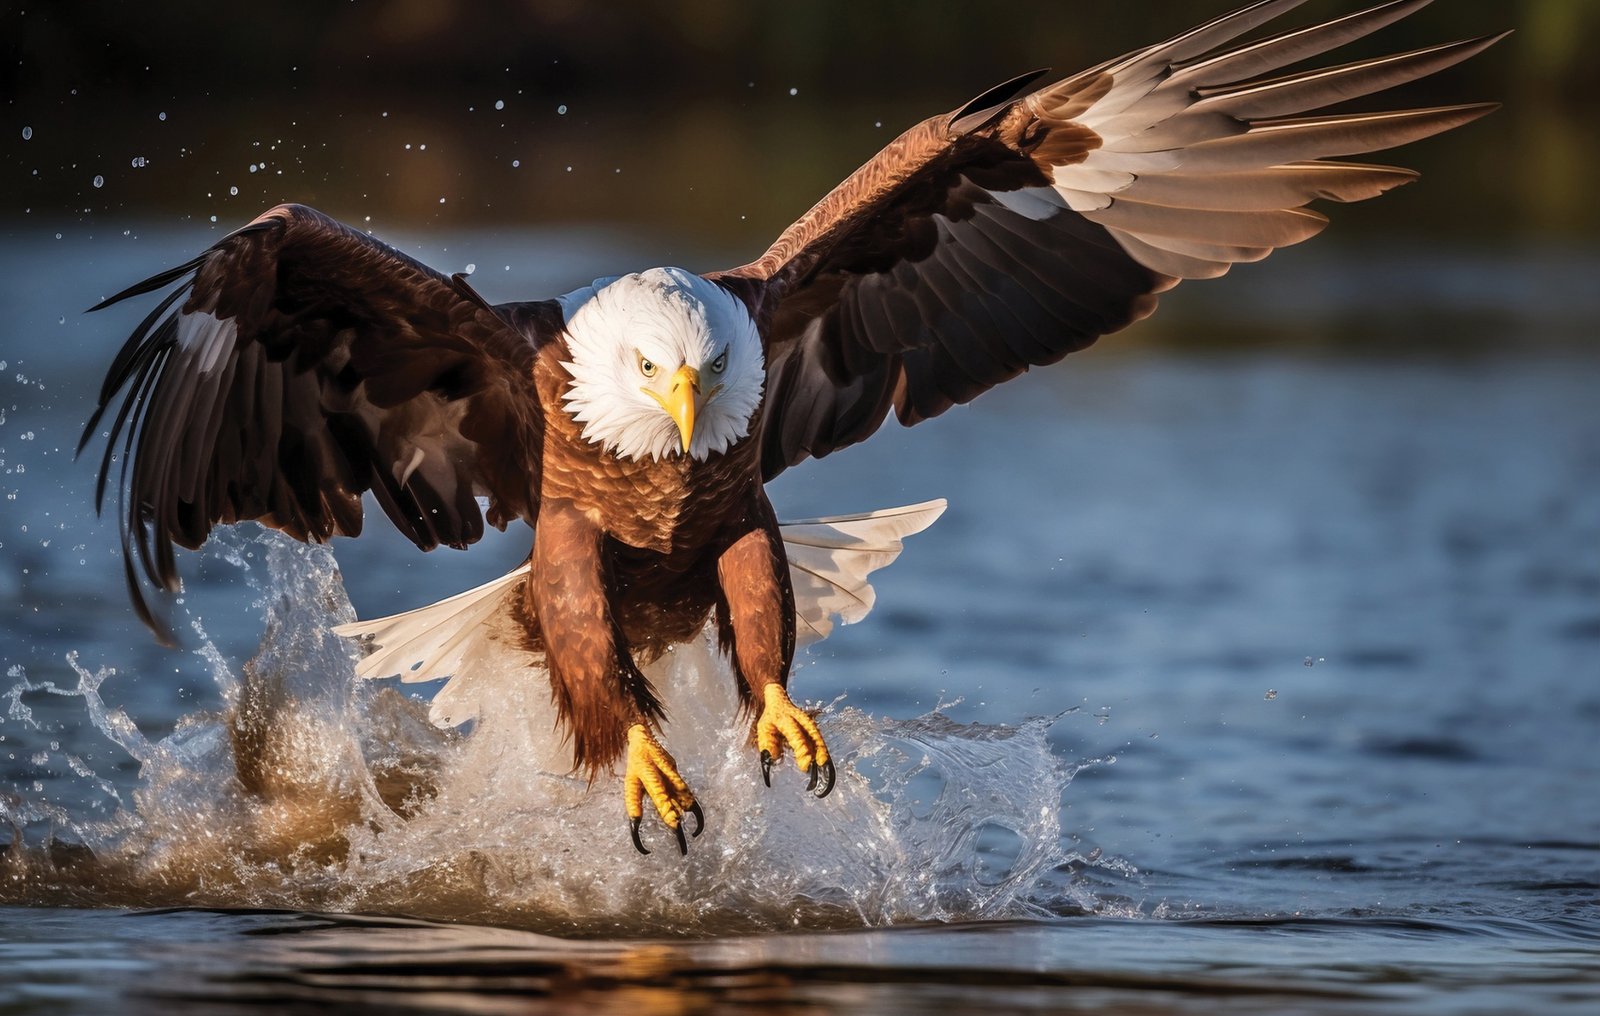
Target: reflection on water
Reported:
point(195, 961)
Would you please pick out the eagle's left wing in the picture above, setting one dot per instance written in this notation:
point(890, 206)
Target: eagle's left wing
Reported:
point(1030, 222)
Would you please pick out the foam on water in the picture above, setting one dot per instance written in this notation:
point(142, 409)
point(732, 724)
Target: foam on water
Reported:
point(311, 790)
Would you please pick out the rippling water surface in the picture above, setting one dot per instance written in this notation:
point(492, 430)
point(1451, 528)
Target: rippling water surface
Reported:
point(1231, 681)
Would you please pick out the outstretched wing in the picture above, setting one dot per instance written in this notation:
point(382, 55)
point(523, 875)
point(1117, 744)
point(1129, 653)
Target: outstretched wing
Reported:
point(1025, 225)
point(301, 363)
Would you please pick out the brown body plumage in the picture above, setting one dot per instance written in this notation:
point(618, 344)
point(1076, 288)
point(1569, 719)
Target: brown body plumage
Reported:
point(648, 544)
point(301, 364)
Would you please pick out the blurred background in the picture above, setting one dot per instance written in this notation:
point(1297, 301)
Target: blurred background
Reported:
point(1315, 550)
point(699, 128)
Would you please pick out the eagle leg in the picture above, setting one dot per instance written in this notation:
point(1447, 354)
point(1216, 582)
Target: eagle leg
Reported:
point(651, 770)
point(755, 620)
point(782, 721)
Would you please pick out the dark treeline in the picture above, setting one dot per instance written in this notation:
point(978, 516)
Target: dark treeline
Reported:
point(697, 49)
point(678, 106)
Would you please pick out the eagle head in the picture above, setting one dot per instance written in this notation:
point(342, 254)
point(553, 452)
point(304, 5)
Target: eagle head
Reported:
point(663, 363)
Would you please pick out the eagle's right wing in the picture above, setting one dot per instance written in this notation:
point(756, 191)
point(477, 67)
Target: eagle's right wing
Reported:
point(301, 363)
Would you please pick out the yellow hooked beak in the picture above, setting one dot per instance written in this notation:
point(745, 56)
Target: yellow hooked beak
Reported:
point(679, 402)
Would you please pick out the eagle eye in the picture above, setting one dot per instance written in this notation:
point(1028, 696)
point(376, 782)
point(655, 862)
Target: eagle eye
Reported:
point(646, 367)
point(720, 364)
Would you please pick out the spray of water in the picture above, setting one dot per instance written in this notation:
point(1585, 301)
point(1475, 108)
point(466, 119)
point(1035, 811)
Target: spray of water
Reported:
point(313, 791)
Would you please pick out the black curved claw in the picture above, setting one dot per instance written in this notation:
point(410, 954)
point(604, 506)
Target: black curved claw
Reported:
point(699, 819)
point(766, 767)
point(683, 844)
point(811, 771)
point(827, 772)
point(633, 828)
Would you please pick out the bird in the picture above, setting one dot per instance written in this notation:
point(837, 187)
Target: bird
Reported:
point(632, 425)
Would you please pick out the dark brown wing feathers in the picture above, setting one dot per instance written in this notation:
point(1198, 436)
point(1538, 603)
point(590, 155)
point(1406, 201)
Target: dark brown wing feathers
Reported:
point(1022, 227)
point(306, 364)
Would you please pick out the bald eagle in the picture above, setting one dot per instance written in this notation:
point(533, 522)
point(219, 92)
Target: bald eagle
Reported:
point(633, 424)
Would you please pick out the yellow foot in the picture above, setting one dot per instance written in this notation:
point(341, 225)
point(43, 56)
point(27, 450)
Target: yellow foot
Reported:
point(782, 721)
point(652, 771)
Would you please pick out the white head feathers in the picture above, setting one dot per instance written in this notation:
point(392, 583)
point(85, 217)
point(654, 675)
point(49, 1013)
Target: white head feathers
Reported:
point(659, 321)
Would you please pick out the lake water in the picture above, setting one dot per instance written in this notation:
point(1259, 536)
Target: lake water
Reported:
point(1252, 669)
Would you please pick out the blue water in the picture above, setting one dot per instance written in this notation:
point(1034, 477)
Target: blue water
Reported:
point(1241, 675)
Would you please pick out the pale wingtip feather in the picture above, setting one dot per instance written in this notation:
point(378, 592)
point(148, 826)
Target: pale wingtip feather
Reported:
point(830, 559)
point(414, 644)
point(906, 520)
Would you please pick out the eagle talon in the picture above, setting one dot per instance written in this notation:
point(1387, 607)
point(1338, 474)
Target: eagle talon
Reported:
point(782, 722)
point(827, 786)
point(652, 772)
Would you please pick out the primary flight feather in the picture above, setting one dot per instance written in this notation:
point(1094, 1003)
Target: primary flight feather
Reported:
point(633, 423)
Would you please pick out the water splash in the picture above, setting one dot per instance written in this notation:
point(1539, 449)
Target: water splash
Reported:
point(313, 791)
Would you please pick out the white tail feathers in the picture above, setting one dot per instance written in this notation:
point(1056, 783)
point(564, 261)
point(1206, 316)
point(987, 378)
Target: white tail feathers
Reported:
point(829, 561)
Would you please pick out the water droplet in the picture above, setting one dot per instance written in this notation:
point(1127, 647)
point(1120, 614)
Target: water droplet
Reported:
point(27, 133)
point(233, 192)
point(441, 201)
point(515, 163)
point(161, 116)
point(561, 110)
point(471, 268)
point(1310, 662)
point(1271, 694)
point(499, 104)
point(254, 167)
point(99, 181)
point(794, 91)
